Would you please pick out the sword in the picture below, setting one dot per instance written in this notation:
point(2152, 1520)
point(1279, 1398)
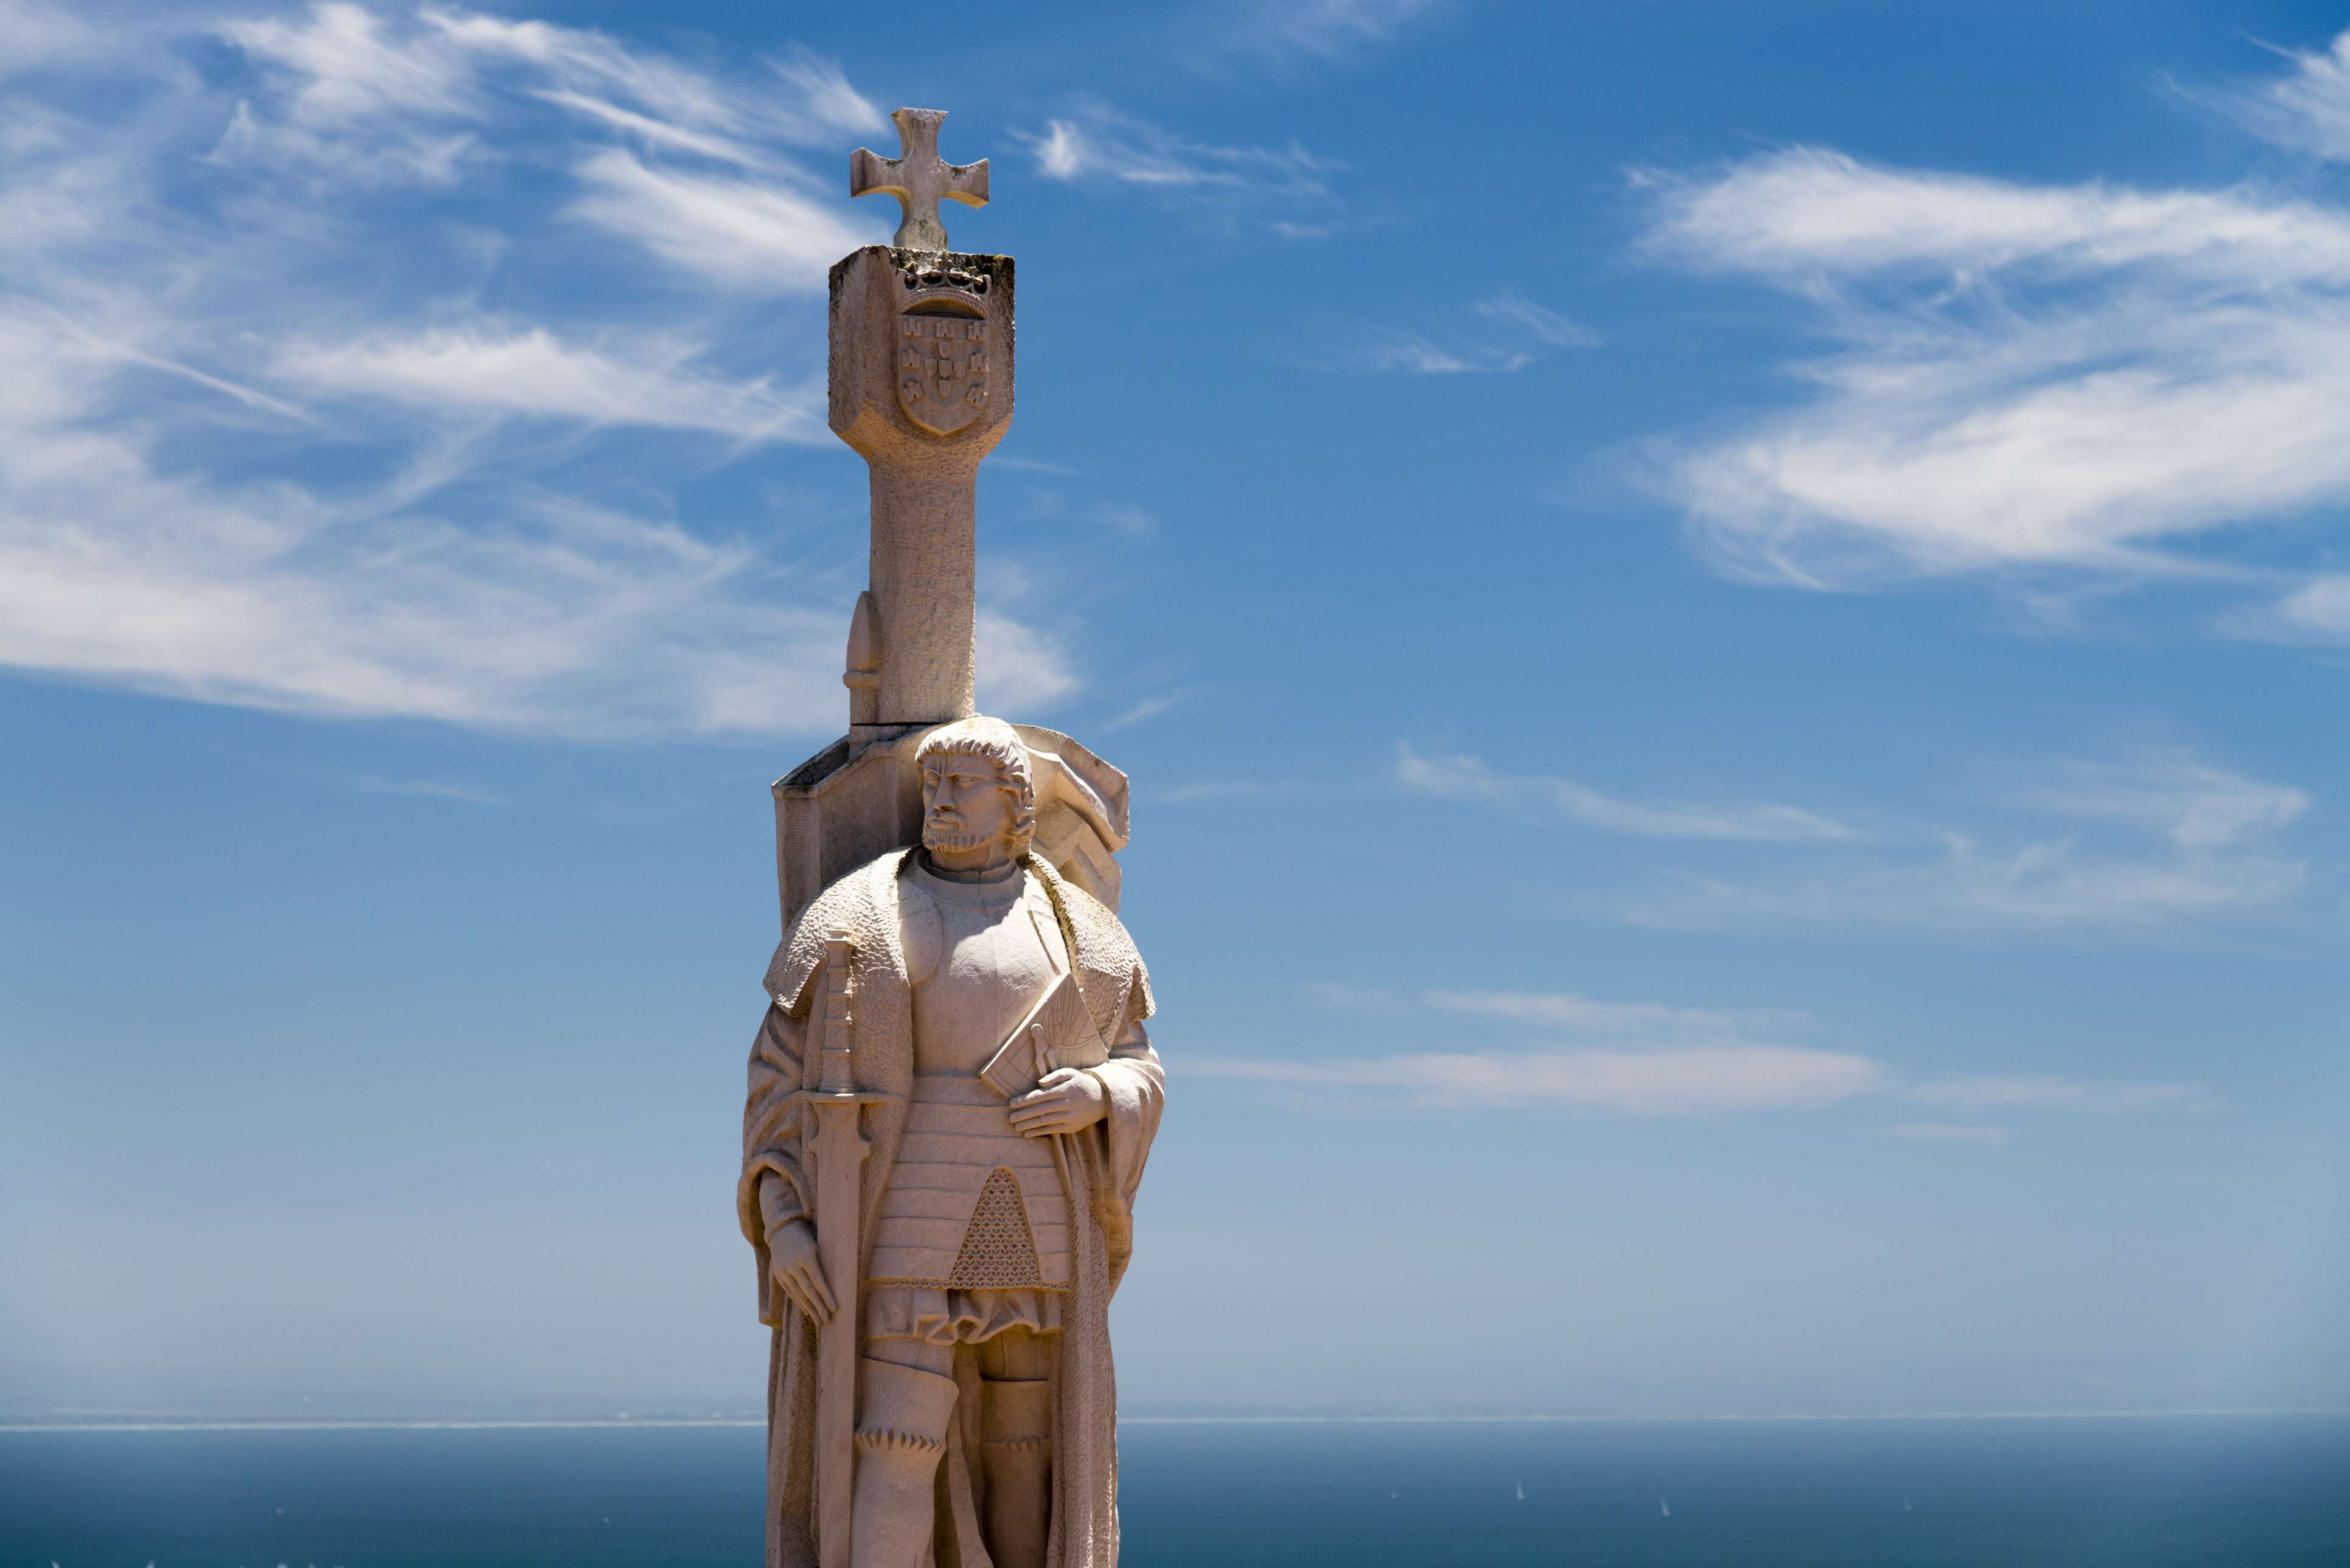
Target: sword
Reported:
point(841, 1151)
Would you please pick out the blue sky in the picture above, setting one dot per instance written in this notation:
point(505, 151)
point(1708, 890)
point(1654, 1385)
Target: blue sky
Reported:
point(1730, 622)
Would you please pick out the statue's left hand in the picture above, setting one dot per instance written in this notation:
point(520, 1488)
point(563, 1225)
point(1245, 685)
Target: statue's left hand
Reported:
point(1068, 1100)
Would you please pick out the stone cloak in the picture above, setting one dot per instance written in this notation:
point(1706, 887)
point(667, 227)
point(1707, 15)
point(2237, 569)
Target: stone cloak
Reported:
point(1101, 1170)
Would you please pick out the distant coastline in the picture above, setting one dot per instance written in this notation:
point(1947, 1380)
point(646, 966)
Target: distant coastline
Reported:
point(460, 1423)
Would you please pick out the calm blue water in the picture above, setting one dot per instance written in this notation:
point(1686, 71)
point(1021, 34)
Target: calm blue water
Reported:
point(2268, 1491)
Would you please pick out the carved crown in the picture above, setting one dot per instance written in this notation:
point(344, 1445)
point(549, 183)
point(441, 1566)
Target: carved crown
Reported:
point(959, 291)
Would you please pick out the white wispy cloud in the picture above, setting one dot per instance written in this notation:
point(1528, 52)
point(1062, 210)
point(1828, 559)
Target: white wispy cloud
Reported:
point(33, 34)
point(1127, 518)
point(263, 593)
point(1381, 348)
point(1321, 29)
point(533, 372)
point(1035, 465)
point(1021, 666)
point(1808, 211)
point(346, 64)
point(414, 96)
point(590, 63)
point(1095, 144)
point(659, 134)
point(1568, 1011)
point(758, 237)
point(1148, 708)
point(1949, 1132)
point(1209, 792)
point(431, 789)
point(1536, 323)
point(1553, 799)
point(2316, 610)
point(408, 155)
point(2101, 1098)
point(1530, 333)
point(2307, 108)
point(2032, 380)
point(829, 102)
point(2142, 843)
point(72, 334)
point(2060, 379)
point(201, 492)
point(1054, 502)
point(1695, 1080)
point(1687, 1060)
point(1658, 1059)
point(282, 605)
point(2172, 794)
point(2046, 884)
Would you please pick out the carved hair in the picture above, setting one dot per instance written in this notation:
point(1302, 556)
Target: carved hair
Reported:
point(980, 736)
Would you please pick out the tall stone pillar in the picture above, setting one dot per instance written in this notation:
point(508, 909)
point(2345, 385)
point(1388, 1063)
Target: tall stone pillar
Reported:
point(921, 385)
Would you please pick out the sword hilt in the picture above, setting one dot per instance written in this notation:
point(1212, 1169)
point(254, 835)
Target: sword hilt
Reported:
point(837, 1070)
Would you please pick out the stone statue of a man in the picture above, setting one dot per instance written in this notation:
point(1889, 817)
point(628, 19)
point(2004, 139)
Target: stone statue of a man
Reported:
point(993, 1231)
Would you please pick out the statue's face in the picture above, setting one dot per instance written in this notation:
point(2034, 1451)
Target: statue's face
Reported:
point(964, 802)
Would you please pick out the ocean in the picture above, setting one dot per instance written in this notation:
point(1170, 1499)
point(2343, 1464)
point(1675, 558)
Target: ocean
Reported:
point(2216, 1491)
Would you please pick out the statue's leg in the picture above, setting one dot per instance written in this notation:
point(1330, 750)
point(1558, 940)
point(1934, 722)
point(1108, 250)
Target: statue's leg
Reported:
point(1016, 1424)
point(905, 1395)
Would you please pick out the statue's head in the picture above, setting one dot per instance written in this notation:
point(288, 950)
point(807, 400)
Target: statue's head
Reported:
point(979, 792)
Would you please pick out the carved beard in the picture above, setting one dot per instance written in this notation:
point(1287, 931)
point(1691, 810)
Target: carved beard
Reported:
point(937, 837)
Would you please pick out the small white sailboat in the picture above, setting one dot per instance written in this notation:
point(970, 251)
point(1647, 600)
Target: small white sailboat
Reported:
point(1664, 1509)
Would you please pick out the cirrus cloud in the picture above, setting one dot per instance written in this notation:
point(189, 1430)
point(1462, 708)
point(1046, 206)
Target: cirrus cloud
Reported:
point(1688, 1062)
point(2034, 381)
point(263, 444)
point(1691, 1080)
point(1549, 797)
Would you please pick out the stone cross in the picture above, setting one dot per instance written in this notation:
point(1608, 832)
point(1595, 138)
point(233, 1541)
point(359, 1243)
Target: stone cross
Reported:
point(918, 179)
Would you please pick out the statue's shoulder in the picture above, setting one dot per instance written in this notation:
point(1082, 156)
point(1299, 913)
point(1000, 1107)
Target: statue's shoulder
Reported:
point(1086, 911)
point(860, 902)
point(1103, 945)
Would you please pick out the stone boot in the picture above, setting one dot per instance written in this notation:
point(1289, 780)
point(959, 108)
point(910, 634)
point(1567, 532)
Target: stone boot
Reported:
point(902, 1430)
point(1015, 1417)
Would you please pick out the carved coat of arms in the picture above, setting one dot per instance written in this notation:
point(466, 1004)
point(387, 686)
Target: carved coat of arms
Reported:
point(941, 370)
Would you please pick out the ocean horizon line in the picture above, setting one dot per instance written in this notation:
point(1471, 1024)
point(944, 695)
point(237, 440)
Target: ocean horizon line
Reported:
point(460, 1423)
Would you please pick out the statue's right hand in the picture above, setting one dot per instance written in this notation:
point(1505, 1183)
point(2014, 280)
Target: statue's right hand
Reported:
point(792, 1264)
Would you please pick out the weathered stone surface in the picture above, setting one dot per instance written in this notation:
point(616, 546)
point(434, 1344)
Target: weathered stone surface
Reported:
point(919, 178)
point(952, 1095)
point(855, 799)
point(945, 1252)
point(887, 305)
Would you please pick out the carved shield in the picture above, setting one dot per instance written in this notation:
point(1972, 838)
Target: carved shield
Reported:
point(941, 370)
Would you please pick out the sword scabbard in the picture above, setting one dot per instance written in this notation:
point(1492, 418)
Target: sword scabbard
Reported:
point(841, 1151)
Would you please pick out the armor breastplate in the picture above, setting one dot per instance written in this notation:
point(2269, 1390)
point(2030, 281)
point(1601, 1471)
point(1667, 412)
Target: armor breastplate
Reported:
point(970, 1204)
